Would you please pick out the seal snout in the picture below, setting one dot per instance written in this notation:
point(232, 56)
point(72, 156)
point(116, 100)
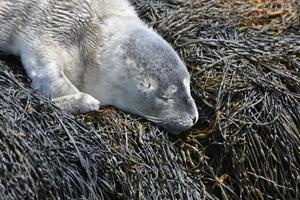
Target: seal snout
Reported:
point(177, 128)
point(194, 118)
point(179, 125)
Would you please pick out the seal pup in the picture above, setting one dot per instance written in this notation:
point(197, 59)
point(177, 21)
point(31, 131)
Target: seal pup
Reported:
point(98, 52)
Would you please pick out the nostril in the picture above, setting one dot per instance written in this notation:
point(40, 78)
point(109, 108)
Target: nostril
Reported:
point(195, 119)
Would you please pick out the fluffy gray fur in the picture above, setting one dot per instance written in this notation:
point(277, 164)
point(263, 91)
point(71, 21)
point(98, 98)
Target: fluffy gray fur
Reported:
point(85, 52)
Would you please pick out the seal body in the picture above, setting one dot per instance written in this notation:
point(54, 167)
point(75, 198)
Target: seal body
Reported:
point(85, 52)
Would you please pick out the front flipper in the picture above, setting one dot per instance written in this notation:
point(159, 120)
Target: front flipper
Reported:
point(46, 71)
point(77, 103)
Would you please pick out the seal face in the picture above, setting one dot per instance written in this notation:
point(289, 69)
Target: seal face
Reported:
point(95, 51)
point(149, 79)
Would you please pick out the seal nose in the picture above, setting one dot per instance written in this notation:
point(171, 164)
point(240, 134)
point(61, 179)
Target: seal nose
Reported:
point(192, 110)
point(195, 119)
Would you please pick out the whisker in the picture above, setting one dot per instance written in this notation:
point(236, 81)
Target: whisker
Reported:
point(156, 119)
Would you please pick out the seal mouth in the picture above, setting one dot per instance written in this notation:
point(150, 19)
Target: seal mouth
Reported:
point(177, 128)
point(156, 119)
point(172, 125)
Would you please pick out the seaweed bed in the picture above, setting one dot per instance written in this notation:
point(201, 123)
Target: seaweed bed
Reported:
point(246, 145)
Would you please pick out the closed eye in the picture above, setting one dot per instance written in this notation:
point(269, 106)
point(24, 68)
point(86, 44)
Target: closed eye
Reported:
point(144, 85)
point(164, 98)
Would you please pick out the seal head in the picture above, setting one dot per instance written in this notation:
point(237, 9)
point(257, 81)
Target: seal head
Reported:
point(152, 81)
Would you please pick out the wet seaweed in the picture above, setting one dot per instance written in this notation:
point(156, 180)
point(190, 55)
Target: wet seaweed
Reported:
point(245, 146)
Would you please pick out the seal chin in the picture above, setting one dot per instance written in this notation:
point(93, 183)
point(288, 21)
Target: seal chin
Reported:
point(177, 127)
point(176, 124)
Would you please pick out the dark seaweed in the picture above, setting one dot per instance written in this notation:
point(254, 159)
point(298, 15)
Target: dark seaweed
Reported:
point(246, 144)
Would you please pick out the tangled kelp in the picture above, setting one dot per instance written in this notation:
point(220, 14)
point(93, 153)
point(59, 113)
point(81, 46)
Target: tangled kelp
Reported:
point(263, 15)
point(245, 146)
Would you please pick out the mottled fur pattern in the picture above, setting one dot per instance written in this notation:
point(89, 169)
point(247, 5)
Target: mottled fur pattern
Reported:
point(85, 52)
